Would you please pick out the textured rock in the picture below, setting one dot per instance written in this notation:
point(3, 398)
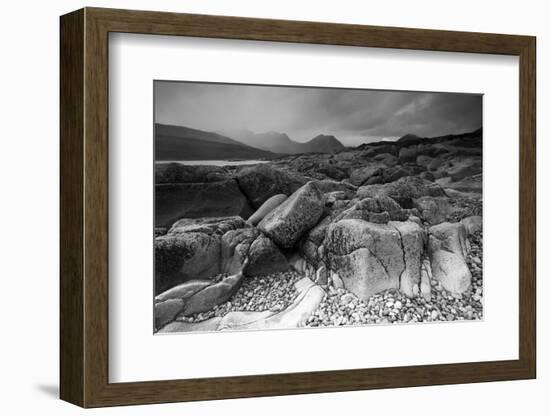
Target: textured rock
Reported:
point(209, 226)
point(179, 258)
point(178, 173)
point(261, 182)
point(296, 315)
point(213, 295)
point(204, 326)
point(235, 245)
point(403, 191)
point(266, 208)
point(361, 175)
point(413, 239)
point(448, 249)
point(301, 211)
point(192, 200)
point(183, 291)
point(473, 224)
point(265, 258)
point(167, 311)
point(329, 185)
point(367, 257)
point(434, 210)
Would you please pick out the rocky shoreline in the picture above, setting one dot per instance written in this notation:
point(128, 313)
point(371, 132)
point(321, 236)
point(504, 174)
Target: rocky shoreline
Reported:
point(384, 233)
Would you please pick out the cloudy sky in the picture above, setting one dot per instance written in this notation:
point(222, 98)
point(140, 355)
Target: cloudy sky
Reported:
point(353, 116)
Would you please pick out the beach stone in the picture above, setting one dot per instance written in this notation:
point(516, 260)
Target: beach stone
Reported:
point(265, 258)
point(261, 182)
point(167, 311)
point(447, 248)
point(336, 281)
point(268, 206)
point(321, 276)
point(297, 314)
point(473, 224)
point(413, 239)
point(367, 257)
point(179, 258)
point(290, 220)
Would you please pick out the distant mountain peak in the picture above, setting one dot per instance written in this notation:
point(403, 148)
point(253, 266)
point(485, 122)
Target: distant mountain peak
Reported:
point(408, 138)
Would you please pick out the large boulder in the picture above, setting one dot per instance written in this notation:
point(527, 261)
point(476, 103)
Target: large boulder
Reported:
point(290, 220)
point(403, 191)
point(194, 200)
point(266, 208)
point(184, 257)
point(191, 250)
point(178, 173)
point(367, 173)
point(408, 154)
point(264, 258)
point(261, 182)
point(367, 257)
point(413, 239)
point(448, 248)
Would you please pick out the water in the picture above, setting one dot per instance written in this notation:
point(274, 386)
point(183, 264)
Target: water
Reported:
point(213, 162)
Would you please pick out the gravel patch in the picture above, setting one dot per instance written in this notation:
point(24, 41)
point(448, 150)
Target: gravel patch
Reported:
point(341, 307)
point(274, 293)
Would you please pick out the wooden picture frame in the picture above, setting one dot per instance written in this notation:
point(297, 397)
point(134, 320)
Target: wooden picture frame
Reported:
point(84, 207)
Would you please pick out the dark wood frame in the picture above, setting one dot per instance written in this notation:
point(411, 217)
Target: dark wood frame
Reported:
point(84, 208)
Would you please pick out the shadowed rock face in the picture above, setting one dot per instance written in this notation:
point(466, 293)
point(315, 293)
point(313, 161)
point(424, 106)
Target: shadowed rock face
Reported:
point(178, 173)
point(261, 182)
point(290, 220)
point(196, 200)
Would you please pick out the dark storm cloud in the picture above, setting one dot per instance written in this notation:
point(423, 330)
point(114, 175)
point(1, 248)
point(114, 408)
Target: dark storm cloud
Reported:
point(353, 116)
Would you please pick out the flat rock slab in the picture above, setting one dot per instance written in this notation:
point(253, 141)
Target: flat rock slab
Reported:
point(204, 326)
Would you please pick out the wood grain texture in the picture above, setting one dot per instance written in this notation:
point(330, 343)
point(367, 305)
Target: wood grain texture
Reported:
point(84, 207)
point(71, 100)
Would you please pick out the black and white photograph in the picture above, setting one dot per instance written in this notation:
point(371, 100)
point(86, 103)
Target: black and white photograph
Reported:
point(281, 207)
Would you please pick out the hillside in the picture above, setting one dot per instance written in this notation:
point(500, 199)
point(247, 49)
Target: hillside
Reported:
point(183, 143)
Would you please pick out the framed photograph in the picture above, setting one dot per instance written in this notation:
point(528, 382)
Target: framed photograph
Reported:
point(260, 207)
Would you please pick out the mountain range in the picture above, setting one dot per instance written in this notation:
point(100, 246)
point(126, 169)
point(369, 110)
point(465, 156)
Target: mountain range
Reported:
point(185, 143)
point(280, 142)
